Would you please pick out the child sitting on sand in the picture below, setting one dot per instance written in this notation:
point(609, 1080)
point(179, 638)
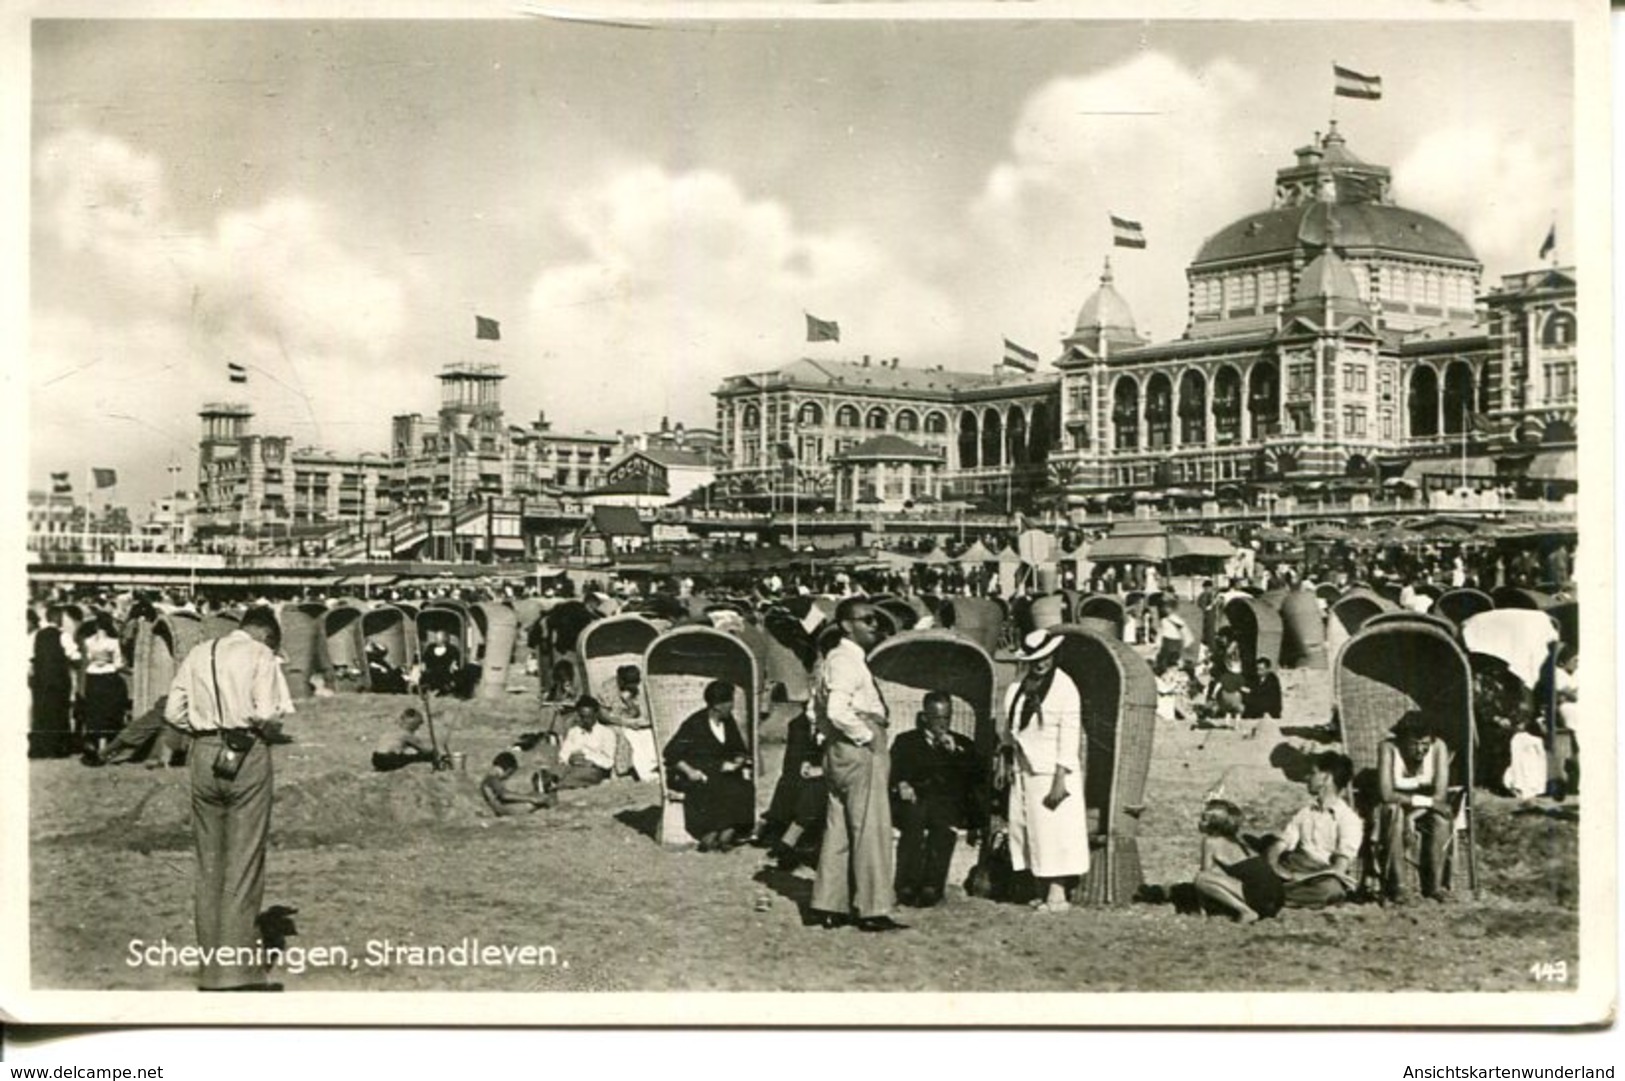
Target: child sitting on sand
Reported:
point(401, 746)
point(1232, 876)
point(507, 794)
point(1173, 692)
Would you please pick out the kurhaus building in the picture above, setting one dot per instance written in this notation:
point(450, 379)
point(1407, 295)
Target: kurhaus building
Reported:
point(1336, 334)
point(874, 431)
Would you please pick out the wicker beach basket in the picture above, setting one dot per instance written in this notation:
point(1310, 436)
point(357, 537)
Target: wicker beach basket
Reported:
point(677, 666)
point(1119, 695)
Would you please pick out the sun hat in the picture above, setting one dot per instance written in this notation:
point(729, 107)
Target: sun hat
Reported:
point(1038, 645)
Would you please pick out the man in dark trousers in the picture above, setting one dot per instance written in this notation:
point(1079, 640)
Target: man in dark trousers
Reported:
point(224, 695)
point(933, 784)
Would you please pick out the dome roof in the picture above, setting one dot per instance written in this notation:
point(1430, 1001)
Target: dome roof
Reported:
point(1358, 225)
point(1106, 310)
point(1328, 284)
point(1327, 277)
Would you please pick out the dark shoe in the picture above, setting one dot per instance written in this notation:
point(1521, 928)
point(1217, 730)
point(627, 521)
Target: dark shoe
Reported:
point(929, 898)
point(828, 921)
point(877, 924)
point(907, 897)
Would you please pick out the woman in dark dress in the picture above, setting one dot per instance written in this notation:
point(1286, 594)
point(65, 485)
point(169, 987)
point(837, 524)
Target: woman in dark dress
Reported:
point(709, 762)
point(107, 699)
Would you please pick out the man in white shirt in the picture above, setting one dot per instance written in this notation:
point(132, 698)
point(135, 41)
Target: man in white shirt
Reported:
point(855, 865)
point(1315, 855)
point(587, 755)
point(224, 694)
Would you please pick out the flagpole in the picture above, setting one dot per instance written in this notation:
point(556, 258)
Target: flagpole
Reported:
point(1464, 444)
point(90, 495)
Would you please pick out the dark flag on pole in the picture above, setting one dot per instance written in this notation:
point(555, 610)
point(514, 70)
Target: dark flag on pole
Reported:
point(1127, 234)
point(822, 330)
point(238, 373)
point(487, 330)
point(1351, 84)
point(60, 485)
point(1549, 245)
point(104, 478)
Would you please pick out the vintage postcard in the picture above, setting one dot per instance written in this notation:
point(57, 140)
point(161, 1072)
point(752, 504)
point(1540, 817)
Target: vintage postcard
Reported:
point(1045, 514)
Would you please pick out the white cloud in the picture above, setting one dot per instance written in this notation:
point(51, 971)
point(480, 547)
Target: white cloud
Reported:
point(686, 280)
point(160, 306)
point(1500, 192)
point(1147, 139)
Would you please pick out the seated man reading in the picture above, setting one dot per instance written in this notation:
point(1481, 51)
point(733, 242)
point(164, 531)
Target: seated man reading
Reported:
point(401, 746)
point(1413, 821)
point(1314, 856)
point(507, 794)
point(587, 753)
point(622, 701)
point(710, 764)
point(934, 775)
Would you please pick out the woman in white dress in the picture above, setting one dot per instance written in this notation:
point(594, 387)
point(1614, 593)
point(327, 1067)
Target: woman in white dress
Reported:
point(1043, 721)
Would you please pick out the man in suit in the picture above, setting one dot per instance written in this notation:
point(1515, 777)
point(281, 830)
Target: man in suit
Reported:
point(933, 785)
point(50, 678)
point(855, 862)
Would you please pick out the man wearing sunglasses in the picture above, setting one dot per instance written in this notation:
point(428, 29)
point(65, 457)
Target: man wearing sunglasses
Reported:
point(855, 865)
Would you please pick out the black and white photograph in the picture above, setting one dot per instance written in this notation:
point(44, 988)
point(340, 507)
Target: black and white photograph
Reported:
point(1060, 514)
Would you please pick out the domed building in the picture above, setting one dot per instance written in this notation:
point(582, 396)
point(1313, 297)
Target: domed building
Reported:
point(1334, 334)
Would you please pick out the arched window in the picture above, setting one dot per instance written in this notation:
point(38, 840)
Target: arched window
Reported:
point(1424, 401)
point(1264, 399)
point(752, 417)
point(1126, 413)
point(1159, 410)
point(876, 420)
point(1015, 434)
point(968, 441)
point(811, 415)
point(846, 416)
point(992, 439)
point(936, 423)
point(1458, 397)
point(907, 421)
point(1558, 330)
point(1193, 408)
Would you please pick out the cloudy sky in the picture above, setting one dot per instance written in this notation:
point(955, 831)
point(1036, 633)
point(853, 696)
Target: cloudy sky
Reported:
point(649, 210)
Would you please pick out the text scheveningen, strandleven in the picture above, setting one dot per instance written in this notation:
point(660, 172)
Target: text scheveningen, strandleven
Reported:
point(1506, 1073)
point(375, 953)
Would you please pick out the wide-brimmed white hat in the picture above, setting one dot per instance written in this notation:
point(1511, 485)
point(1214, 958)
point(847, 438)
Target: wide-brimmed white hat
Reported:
point(1038, 645)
